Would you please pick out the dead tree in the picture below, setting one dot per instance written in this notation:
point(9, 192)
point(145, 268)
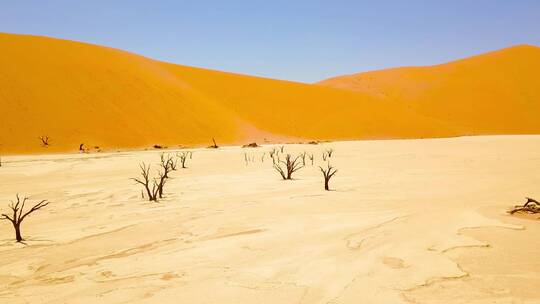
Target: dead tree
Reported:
point(324, 156)
point(291, 166)
point(160, 182)
point(329, 152)
point(272, 152)
point(214, 146)
point(183, 157)
point(167, 163)
point(303, 157)
point(152, 193)
point(531, 206)
point(19, 215)
point(328, 173)
point(44, 141)
point(311, 158)
point(281, 148)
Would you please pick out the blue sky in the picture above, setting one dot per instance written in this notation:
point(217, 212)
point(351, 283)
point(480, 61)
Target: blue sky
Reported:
point(296, 40)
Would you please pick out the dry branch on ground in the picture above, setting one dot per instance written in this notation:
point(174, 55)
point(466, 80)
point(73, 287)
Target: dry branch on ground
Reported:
point(530, 206)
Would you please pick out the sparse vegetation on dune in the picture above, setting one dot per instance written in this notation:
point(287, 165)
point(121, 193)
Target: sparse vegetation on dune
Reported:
point(214, 144)
point(44, 141)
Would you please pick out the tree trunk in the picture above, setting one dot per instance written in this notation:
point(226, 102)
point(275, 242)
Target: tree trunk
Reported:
point(18, 236)
point(326, 184)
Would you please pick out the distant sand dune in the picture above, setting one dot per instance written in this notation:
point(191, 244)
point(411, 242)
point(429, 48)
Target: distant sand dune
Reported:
point(80, 93)
point(493, 93)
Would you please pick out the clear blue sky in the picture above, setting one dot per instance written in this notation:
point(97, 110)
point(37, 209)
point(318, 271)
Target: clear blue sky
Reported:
point(295, 40)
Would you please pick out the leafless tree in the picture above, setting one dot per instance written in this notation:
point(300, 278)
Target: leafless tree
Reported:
point(303, 157)
point(328, 172)
point(183, 157)
point(531, 206)
point(44, 141)
point(329, 152)
point(281, 148)
point(151, 190)
point(168, 164)
point(272, 152)
point(324, 156)
point(160, 182)
point(291, 165)
point(311, 158)
point(19, 214)
point(214, 145)
point(154, 188)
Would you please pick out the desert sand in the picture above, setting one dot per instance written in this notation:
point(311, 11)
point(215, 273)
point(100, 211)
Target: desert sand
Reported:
point(408, 221)
point(81, 93)
point(491, 93)
point(78, 93)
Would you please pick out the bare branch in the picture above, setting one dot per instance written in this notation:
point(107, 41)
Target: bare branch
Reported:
point(327, 174)
point(291, 166)
point(19, 215)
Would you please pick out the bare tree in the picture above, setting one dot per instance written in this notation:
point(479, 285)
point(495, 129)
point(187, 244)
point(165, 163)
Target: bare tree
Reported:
point(324, 156)
point(291, 165)
point(168, 164)
point(183, 157)
point(273, 152)
point(329, 152)
point(531, 206)
point(281, 148)
point(214, 146)
point(44, 141)
point(311, 158)
point(19, 215)
point(303, 156)
point(152, 193)
point(328, 173)
point(160, 182)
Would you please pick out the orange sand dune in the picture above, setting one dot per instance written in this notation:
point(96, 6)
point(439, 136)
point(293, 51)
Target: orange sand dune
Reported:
point(493, 93)
point(80, 93)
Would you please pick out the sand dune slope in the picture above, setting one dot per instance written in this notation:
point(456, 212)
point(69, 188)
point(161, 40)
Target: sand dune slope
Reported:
point(81, 93)
point(493, 93)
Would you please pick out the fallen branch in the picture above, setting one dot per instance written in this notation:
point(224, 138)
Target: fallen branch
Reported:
point(531, 206)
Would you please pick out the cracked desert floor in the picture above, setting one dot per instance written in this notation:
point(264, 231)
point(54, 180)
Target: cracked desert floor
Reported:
point(408, 221)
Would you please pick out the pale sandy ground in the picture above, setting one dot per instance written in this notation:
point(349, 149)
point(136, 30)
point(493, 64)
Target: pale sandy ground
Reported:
point(401, 226)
